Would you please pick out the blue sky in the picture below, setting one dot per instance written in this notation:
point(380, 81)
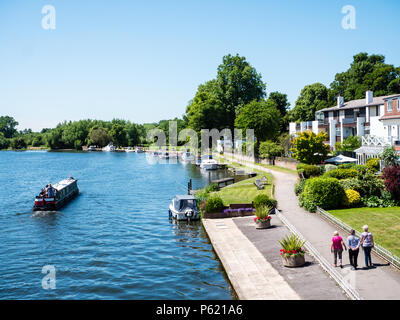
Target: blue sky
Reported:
point(143, 60)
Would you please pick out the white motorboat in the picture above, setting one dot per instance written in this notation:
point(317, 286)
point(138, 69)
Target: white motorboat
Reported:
point(208, 163)
point(184, 207)
point(187, 156)
point(92, 148)
point(109, 148)
point(129, 149)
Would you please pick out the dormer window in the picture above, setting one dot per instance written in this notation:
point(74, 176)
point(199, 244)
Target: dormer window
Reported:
point(390, 105)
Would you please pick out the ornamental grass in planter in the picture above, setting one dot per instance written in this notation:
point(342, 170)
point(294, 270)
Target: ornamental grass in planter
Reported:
point(292, 252)
point(262, 218)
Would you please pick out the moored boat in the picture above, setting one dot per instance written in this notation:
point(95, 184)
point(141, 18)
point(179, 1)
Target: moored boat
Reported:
point(139, 150)
point(187, 156)
point(184, 207)
point(129, 149)
point(208, 163)
point(54, 197)
point(109, 148)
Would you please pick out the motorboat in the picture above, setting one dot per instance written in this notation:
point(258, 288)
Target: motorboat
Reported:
point(92, 148)
point(109, 148)
point(208, 163)
point(139, 150)
point(54, 197)
point(187, 156)
point(184, 207)
point(129, 149)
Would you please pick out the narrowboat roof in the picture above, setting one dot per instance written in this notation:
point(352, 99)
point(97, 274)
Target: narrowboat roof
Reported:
point(63, 183)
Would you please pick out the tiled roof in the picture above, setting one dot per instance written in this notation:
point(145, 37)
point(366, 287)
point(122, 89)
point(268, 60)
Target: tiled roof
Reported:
point(376, 101)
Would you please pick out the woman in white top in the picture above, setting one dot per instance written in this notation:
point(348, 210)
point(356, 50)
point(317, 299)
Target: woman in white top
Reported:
point(367, 242)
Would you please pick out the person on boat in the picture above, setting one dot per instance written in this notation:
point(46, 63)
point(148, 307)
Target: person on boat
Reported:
point(50, 191)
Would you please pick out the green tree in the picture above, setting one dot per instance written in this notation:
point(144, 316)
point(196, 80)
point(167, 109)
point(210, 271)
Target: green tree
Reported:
point(269, 149)
point(99, 136)
point(367, 72)
point(18, 143)
point(312, 98)
point(238, 84)
point(390, 157)
point(263, 117)
point(4, 142)
point(310, 148)
point(119, 134)
point(8, 126)
point(349, 144)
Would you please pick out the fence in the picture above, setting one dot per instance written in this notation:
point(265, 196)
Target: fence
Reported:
point(379, 250)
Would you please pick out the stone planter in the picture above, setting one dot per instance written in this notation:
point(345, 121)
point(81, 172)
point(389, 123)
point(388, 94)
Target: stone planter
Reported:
point(294, 261)
point(263, 224)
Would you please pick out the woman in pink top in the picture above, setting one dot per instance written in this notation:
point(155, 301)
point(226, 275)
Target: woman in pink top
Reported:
point(337, 246)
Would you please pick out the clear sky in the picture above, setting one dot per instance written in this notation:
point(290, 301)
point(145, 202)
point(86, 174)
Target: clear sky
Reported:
point(143, 60)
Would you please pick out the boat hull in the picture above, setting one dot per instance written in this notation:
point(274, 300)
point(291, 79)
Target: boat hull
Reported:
point(58, 204)
point(181, 216)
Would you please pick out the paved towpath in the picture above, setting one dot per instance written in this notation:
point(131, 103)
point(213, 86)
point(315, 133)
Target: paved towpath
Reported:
point(381, 282)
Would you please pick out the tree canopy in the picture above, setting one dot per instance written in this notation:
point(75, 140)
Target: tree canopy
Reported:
point(310, 148)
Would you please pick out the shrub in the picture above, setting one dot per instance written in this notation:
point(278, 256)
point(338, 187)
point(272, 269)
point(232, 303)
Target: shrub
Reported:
point(326, 193)
point(373, 165)
point(214, 204)
point(352, 198)
point(330, 167)
point(202, 195)
point(310, 170)
point(370, 184)
point(262, 213)
point(212, 187)
point(262, 200)
point(381, 202)
point(341, 174)
point(299, 187)
point(389, 156)
point(391, 177)
point(346, 166)
point(292, 245)
point(300, 166)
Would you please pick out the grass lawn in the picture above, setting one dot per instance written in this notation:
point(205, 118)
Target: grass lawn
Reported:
point(244, 191)
point(384, 223)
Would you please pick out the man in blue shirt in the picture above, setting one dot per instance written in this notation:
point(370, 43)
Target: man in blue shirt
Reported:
point(50, 192)
point(353, 243)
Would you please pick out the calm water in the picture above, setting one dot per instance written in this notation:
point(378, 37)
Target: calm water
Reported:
point(114, 241)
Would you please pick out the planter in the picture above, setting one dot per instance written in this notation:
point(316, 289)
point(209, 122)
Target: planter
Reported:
point(294, 261)
point(263, 224)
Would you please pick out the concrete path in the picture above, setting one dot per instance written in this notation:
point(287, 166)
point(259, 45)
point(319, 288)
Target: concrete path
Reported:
point(381, 282)
point(251, 275)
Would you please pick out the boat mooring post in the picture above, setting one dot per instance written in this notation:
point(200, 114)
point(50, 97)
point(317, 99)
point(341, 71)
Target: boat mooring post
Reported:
point(189, 186)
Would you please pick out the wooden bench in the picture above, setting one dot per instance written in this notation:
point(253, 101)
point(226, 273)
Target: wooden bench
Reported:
point(259, 184)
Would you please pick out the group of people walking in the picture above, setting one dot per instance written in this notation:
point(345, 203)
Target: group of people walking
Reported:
point(353, 243)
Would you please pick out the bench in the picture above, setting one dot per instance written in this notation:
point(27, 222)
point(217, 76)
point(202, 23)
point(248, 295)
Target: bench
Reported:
point(259, 184)
point(264, 180)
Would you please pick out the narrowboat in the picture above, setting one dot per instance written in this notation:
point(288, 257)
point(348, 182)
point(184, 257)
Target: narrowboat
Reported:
point(54, 197)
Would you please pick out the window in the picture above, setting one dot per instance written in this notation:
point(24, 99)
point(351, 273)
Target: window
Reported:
point(390, 105)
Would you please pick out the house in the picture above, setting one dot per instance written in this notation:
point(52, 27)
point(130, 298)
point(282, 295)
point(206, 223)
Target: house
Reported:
point(369, 117)
point(222, 145)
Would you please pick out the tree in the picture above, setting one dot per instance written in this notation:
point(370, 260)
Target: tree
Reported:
point(312, 98)
point(269, 149)
point(281, 102)
point(8, 126)
point(366, 72)
point(310, 148)
point(18, 143)
point(99, 136)
point(119, 134)
point(389, 157)
point(4, 142)
point(206, 110)
point(263, 117)
point(238, 84)
point(349, 144)
point(391, 176)
point(285, 140)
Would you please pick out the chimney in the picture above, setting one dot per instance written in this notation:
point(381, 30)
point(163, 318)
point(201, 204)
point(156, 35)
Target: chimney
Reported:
point(369, 97)
point(340, 101)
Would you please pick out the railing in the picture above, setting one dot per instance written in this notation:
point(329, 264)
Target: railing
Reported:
point(347, 287)
point(379, 250)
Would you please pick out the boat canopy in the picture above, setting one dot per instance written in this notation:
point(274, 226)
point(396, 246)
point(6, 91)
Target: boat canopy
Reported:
point(63, 183)
point(184, 201)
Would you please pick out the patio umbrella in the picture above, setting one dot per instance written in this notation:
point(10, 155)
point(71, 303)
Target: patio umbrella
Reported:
point(341, 159)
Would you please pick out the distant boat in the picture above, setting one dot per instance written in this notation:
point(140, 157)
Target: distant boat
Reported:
point(184, 207)
point(208, 163)
point(62, 192)
point(92, 148)
point(164, 155)
point(139, 150)
point(109, 148)
point(187, 156)
point(129, 149)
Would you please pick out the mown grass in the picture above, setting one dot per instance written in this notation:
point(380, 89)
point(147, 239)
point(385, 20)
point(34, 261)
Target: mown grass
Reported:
point(384, 223)
point(244, 191)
